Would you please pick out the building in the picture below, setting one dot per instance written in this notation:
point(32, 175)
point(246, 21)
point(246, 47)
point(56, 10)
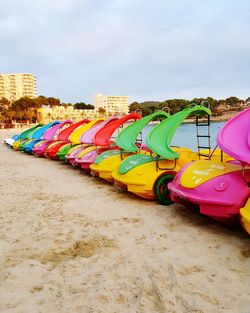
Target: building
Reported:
point(16, 86)
point(47, 114)
point(111, 105)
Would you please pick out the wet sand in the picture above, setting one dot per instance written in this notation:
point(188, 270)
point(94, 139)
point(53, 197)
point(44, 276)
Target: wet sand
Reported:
point(71, 243)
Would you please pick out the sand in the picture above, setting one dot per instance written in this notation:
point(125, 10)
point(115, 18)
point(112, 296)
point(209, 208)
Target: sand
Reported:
point(71, 243)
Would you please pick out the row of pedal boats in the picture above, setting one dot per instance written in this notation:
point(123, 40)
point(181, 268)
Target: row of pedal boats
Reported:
point(216, 181)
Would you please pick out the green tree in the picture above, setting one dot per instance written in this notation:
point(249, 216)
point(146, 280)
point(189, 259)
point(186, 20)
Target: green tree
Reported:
point(53, 101)
point(90, 107)
point(80, 106)
point(83, 106)
point(232, 101)
point(134, 106)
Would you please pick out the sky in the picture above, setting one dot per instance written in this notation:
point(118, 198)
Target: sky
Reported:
point(147, 50)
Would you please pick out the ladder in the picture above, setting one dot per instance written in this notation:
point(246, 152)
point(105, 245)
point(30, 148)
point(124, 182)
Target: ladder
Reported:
point(203, 138)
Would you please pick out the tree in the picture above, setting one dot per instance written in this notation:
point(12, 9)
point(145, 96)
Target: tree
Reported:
point(23, 108)
point(213, 103)
point(49, 116)
point(90, 107)
point(41, 101)
point(23, 104)
point(53, 101)
point(80, 106)
point(101, 111)
point(134, 106)
point(4, 104)
point(232, 101)
point(83, 106)
point(8, 115)
point(30, 115)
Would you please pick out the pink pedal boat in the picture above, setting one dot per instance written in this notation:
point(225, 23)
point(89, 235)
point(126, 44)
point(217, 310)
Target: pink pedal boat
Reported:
point(50, 136)
point(103, 141)
point(219, 189)
point(87, 139)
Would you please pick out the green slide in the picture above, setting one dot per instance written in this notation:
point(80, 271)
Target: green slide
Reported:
point(161, 133)
point(159, 139)
point(127, 138)
point(26, 133)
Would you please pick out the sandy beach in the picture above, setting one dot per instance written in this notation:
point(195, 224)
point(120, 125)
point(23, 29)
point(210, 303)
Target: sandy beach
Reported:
point(72, 243)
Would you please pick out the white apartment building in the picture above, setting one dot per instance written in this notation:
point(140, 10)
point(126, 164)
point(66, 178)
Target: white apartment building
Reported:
point(15, 86)
point(111, 104)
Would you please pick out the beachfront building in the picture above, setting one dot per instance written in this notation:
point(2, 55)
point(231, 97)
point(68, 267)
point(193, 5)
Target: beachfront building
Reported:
point(15, 86)
point(111, 105)
point(47, 114)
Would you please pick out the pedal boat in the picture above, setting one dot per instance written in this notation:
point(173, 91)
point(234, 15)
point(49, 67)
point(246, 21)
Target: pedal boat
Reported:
point(87, 138)
point(50, 136)
point(37, 136)
point(129, 142)
point(104, 140)
point(74, 140)
point(24, 137)
point(148, 175)
point(10, 141)
point(220, 190)
point(63, 139)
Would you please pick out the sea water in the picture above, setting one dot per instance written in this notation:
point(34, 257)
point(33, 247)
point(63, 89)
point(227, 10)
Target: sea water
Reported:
point(185, 135)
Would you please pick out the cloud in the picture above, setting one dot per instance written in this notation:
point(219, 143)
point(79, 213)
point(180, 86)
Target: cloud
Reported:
point(144, 49)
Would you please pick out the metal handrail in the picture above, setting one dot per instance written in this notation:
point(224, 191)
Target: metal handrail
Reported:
point(139, 111)
point(168, 109)
point(206, 101)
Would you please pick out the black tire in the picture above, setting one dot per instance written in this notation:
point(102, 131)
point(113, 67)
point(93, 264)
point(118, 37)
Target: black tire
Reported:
point(161, 190)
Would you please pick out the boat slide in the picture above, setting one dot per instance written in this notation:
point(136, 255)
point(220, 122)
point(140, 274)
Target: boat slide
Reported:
point(104, 136)
point(126, 140)
point(108, 161)
point(159, 139)
point(234, 137)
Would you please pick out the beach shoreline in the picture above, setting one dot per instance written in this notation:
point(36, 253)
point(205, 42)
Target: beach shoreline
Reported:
point(70, 242)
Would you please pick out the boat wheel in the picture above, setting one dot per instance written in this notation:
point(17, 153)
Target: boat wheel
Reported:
point(161, 190)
